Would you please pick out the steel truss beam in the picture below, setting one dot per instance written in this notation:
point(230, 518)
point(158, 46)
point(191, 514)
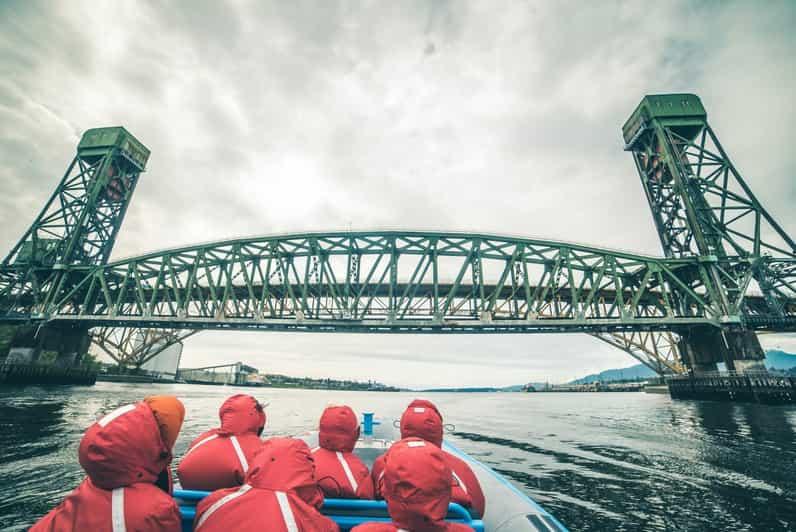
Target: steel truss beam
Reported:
point(131, 346)
point(656, 350)
point(413, 278)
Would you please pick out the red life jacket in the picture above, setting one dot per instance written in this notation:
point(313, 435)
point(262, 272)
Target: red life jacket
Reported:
point(220, 457)
point(280, 495)
point(340, 473)
point(417, 488)
point(422, 419)
point(123, 454)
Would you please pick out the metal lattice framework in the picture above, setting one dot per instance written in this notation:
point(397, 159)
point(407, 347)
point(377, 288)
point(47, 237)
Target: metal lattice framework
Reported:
point(132, 346)
point(728, 265)
point(403, 282)
point(78, 225)
point(408, 281)
point(702, 206)
point(657, 350)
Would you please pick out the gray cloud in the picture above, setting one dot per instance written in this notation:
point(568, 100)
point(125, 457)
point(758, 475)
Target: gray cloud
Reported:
point(268, 117)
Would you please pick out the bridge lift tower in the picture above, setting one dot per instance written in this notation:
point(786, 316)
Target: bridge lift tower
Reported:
point(703, 208)
point(74, 232)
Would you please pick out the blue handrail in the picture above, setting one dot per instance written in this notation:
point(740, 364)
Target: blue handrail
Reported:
point(456, 512)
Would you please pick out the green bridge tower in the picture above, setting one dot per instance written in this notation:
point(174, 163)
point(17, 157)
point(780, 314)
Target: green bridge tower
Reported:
point(76, 228)
point(703, 208)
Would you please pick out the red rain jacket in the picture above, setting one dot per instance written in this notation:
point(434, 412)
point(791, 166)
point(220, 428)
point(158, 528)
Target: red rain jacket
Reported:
point(220, 458)
point(417, 485)
point(422, 419)
point(123, 455)
point(280, 495)
point(340, 473)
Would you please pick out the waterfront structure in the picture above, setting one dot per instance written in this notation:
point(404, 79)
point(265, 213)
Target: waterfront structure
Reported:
point(164, 365)
point(238, 374)
point(728, 270)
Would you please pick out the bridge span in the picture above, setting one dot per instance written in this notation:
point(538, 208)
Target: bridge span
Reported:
point(728, 270)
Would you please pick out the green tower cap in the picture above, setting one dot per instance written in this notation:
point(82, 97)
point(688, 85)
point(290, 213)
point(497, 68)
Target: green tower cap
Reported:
point(685, 108)
point(100, 139)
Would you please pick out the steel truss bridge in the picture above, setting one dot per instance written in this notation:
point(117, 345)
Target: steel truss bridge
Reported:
point(728, 269)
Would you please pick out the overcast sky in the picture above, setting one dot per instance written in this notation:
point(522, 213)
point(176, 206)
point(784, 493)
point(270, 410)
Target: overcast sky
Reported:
point(293, 116)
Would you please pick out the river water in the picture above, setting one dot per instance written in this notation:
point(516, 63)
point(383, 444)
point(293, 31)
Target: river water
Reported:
point(598, 461)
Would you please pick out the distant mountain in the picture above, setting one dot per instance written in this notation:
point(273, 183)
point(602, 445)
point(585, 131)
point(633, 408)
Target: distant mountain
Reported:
point(639, 371)
point(775, 359)
point(459, 390)
point(513, 388)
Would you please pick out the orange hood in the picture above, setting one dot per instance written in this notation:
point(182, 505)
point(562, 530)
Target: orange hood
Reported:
point(169, 414)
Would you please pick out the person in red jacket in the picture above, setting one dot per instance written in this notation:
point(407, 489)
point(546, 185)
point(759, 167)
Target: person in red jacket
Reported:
point(340, 473)
point(422, 419)
point(280, 495)
point(123, 454)
point(169, 414)
point(418, 489)
point(220, 457)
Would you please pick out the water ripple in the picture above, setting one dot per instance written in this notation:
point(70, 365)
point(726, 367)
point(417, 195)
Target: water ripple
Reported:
point(597, 461)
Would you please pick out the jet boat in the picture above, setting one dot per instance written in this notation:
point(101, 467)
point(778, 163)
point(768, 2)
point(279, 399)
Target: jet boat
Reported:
point(507, 508)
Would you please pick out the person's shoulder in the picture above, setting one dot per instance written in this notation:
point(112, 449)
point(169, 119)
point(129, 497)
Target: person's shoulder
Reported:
point(378, 463)
point(203, 436)
point(213, 497)
point(150, 491)
point(150, 508)
point(354, 459)
point(452, 458)
point(459, 465)
point(320, 451)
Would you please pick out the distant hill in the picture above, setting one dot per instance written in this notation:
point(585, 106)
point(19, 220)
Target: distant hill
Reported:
point(775, 359)
point(514, 388)
point(639, 371)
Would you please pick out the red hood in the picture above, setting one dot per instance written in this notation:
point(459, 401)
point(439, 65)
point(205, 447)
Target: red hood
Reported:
point(124, 447)
point(422, 419)
point(339, 429)
point(284, 464)
point(417, 485)
point(240, 414)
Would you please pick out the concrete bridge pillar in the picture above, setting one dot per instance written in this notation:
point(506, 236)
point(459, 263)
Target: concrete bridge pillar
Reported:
point(69, 344)
point(746, 352)
point(25, 346)
point(703, 348)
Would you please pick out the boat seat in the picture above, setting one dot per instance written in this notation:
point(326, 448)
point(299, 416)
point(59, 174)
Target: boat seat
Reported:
point(347, 513)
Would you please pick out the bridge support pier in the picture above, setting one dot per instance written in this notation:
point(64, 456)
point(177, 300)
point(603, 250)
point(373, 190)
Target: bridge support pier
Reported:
point(69, 345)
point(704, 347)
